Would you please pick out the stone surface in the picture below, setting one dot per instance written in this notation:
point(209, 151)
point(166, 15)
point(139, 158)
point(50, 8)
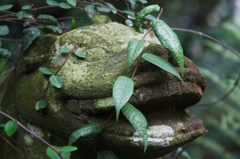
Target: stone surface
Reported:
point(87, 90)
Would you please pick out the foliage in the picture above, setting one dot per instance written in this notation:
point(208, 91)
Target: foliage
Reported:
point(137, 119)
point(218, 111)
point(169, 40)
point(65, 152)
point(142, 14)
point(41, 104)
point(123, 86)
point(134, 49)
point(106, 155)
point(162, 63)
point(84, 131)
point(29, 35)
point(10, 127)
point(122, 91)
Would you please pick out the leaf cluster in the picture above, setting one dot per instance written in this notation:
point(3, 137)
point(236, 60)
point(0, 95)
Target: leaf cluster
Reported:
point(123, 87)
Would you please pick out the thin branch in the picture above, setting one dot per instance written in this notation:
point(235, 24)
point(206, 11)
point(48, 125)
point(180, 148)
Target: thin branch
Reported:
point(6, 39)
point(225, 96)
point(103, 127)
point(160, 13)
point(45, 7)
point(26, 129)
point(208, 37)
point(12, 145)
point(57, 72)
point(140, 56)
point(183, 149)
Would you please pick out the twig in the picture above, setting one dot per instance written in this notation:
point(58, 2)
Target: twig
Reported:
point(208, 37)
point(225, 96)
point(160, 13)
point(103, 127)
point(12, 145)
point(183, 149)
point(6, 39)
point(22, 126)
point(140, 56)
point(57, 72)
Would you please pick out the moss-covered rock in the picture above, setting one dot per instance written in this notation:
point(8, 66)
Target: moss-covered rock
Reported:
point(87, 89)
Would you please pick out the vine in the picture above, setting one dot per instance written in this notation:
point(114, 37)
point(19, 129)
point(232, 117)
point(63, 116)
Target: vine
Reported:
point(123, 87)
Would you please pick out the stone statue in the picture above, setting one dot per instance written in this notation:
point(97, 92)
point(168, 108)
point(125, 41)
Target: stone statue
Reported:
point(86, 95)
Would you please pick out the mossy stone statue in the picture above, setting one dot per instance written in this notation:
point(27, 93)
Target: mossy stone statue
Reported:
point(86, 95)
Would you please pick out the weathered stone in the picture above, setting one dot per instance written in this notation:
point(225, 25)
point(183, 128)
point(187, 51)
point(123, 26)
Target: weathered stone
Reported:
point(87, 90)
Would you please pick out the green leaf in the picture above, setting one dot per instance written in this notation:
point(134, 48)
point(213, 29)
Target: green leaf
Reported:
point(46, 70)
point(10, 127)
point(128, 12)
point(41, 104)
point(103, 9)
point(65, 50)
point(80, 54)
point(84, 131)
point(150, 17)
point(134, 49)
point(170, 41)
point(53, 155)
point(122, 91)
point(64, 5)
point(134, 5)
point(5, 53)
point(51, 29)
point(128, 22)
point(68, 148)
point(56, 81)
point(21, 14)
point(138, 121)
point(141, 15)
point(5, 7)
point(106, 155)
point(113, 9)
point(73, 24)
point(26, 7)
point(0, 43)
point(47, 19)
point(72, 2)
point(161, 62)
point(90, 10)
point(143, 1)
point(52, 3)
point(28, 16)
point(3, 30)
point(29, 35)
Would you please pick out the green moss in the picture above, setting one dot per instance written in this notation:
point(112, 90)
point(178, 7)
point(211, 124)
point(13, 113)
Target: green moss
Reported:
point(104, 103)
point(100, 19)
point(87, 89)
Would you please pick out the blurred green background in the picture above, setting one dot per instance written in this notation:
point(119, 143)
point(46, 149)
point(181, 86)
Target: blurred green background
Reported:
point(217, 18)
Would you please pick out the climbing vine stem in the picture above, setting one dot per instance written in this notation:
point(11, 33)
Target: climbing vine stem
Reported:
point(26, 129)
point(70, 54)
point(208, 37)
